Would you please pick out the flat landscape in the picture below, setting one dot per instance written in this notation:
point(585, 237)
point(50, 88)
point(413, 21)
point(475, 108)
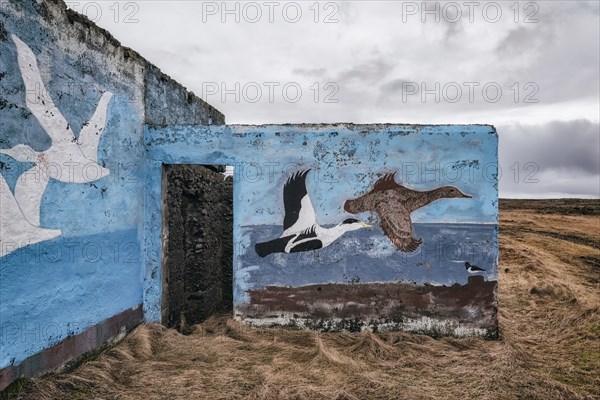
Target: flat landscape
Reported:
point(549, 345)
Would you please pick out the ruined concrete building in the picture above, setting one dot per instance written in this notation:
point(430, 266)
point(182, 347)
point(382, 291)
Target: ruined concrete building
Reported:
point(114, 209)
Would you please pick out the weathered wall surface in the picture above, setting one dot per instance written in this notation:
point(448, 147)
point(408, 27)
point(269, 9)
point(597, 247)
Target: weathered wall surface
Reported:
point(198, 248)
point(351, 227)
point(86, 127)
point(71, 201)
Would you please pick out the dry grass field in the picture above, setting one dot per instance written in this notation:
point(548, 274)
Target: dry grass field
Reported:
point(549, 289)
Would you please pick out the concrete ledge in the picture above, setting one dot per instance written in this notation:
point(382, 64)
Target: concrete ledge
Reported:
point(73, 347)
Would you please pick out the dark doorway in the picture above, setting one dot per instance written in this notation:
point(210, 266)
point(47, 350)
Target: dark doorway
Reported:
point(197, 244)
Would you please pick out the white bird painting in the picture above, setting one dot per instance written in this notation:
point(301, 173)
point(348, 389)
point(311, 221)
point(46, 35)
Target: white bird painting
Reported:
point(300, 229)
point(69, 159)
point(16, 231)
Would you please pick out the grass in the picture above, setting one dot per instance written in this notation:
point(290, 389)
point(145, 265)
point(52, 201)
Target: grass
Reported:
point(549, 346)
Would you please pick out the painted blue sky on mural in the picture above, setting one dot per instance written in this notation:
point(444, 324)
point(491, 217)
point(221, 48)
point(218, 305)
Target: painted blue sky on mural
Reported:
point(345, 165)
point(345, 160)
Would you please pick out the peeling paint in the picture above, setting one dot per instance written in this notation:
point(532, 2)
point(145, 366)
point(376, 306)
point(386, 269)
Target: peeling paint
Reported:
point(341, 168)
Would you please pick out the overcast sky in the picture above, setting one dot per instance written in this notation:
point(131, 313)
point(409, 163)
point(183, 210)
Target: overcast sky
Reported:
point(531, 69)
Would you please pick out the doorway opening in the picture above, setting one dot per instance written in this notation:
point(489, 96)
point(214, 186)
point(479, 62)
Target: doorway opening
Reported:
point(197, 266)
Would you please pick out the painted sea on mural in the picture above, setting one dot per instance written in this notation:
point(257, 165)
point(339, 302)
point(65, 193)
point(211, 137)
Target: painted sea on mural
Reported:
point(366, 255)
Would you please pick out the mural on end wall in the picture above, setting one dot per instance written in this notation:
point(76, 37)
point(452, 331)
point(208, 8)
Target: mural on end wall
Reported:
point(69, 159)
point(359, 240)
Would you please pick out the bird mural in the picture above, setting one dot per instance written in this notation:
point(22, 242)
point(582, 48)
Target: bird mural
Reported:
point(394, 204)
point(300, 229)
point(69, 159)
point(16, 230)
point(473, 269)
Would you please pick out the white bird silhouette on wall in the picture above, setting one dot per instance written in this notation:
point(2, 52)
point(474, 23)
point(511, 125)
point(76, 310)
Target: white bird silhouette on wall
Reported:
point(15, 229)
point(69, 159)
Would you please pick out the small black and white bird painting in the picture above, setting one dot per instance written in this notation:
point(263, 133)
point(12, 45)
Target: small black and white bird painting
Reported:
point(473, 269)
point(300, 229)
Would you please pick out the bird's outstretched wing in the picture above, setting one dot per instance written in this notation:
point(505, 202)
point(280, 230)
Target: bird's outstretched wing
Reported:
point(299, 211)
point(367, 201)
point(309, 233)
point(89, 137)
point(16, 230)
point(10, 208)
point(386, 182)
point(38, 99)
point(397, 226)
point(29, 191)
point(307, 240)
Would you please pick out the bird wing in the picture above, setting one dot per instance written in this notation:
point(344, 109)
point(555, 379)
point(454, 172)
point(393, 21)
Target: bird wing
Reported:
point(309, 233)
point(29, 192)
point(299, 211)
point(367, 201)
point(10, 208)
point(16, 231)
point(89, 137)
point(307, 245)
point(397, 226)
point(386, 182)
point(38, 99)
point(305, 241)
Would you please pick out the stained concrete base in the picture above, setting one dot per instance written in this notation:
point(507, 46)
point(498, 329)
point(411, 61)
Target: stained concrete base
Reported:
point(106, 332)
point(467, 310)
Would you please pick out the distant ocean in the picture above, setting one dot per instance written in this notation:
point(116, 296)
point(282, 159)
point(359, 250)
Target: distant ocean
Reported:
point(366, 255)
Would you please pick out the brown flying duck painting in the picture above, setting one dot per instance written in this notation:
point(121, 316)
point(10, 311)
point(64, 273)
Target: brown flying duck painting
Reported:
point(394, 203)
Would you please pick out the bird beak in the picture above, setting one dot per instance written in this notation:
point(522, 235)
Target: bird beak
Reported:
point(365, 225)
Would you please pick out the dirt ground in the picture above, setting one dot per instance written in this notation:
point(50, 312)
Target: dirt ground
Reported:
point(549, 346)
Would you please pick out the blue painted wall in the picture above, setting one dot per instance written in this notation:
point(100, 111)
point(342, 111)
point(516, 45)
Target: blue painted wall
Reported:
point(94, 269)
point(60, 287)
point(107, 258)
point(345, 161)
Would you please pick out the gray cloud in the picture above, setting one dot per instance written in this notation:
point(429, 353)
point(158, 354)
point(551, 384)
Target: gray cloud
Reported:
point(563, 68)
point(396, 86)
point(570, 145)
point(310, 72)
point(371, 52)
point(557, 157)
point(368, 72)
point(523, 38)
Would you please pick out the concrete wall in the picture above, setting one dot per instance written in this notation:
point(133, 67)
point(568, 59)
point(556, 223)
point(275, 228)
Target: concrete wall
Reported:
point(71, 230)
point(406, 271)
point(86, 128)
